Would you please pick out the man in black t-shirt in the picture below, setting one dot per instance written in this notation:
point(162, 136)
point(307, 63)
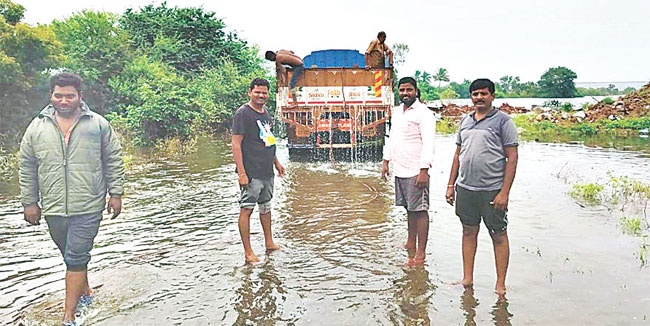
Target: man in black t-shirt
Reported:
point(253, 148)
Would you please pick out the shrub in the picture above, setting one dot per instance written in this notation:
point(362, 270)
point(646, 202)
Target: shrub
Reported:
point(589, 193)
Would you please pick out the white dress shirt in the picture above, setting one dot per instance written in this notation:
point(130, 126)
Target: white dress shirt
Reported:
point(410, 144)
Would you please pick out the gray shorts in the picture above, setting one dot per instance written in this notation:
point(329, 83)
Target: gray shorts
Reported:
point(407, 194)
point(74, 236)
point(471, 206)
point(258, 191)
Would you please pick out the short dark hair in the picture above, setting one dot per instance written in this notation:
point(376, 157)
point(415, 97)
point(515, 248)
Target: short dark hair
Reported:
point(482, 83)
point(408, 80)
point(380, 34)
point(66, 79)
point(269, 55)
point(259, 82)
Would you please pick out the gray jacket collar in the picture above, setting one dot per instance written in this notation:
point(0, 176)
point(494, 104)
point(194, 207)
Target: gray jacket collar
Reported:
point(48, 111)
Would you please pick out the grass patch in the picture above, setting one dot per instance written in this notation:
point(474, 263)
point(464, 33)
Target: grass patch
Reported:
point(588, 193)
point(8, 164)
point(446, 126)
point(631, 226)
point(175, 147)
point(531, 126)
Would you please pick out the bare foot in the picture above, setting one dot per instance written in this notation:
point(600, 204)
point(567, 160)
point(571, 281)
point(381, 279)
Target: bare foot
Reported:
point(465, 283)
point(252, 258)
point(272, 247)
point(500, 290)
point(414, 262)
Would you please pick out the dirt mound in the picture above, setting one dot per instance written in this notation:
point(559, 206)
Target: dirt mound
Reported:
point(453, 110)
point(635, 104)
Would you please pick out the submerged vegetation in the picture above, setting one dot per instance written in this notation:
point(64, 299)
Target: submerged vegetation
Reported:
point(588, 193)
point(624, 195)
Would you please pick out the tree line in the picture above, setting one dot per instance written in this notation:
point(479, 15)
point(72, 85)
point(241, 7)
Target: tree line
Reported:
point(557, 82)
point(156, 72)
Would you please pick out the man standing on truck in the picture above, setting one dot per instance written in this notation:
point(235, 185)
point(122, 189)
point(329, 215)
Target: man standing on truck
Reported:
point(70, 158)
point(286, 57)
point(482, 172)
point(410, 149)
point(253, 149)
point(377, 52)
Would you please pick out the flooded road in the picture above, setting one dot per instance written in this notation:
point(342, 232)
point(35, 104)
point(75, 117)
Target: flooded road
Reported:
point(174, 256)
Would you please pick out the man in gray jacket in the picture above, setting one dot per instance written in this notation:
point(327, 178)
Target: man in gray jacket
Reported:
point(70, 158)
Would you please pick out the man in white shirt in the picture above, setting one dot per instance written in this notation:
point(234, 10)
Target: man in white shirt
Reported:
point(410, 148)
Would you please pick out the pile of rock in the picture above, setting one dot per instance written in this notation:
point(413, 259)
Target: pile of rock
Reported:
point(453, 111)
point(635, 104)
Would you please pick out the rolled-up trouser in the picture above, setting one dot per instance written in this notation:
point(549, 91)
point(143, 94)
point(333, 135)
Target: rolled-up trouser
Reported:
point(75, 236)
point(258, 191)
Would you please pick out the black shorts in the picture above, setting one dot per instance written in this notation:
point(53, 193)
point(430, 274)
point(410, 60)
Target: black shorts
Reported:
point(471, 206)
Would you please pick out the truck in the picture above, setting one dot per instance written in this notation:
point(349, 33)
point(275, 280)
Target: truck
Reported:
point(339, 110)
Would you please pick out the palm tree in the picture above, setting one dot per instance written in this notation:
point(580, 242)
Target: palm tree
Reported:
point(441, 75)
point(422, 77)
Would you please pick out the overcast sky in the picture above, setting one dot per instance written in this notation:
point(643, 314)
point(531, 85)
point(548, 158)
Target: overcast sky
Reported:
point(601, 40)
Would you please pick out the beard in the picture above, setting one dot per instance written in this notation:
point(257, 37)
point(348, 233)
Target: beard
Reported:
point(66, 111)
point(408, 102)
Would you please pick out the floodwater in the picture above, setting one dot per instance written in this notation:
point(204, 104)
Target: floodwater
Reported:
point(174, 256)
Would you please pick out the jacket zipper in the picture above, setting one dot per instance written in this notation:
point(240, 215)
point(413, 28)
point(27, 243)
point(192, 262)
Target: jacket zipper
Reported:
point(65, 158)
point(65, 164)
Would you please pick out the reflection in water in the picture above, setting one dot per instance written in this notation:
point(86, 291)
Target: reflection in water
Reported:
point(500, 313)
point(469, 303)
point(412, 294)
point(260, 296)
point(629, 141)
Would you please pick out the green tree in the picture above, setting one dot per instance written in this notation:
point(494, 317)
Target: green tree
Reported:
point(220, 91)
point(558, 82)
point(422, 77)
point(510, 84)
point(448, 93)
point(400, 50)
point(158, 105)
point(194, 39)
point(97, 48)
point(26, 55)
point(461, 89)
point(441, 75)
point(12, 12)
point(427, 91)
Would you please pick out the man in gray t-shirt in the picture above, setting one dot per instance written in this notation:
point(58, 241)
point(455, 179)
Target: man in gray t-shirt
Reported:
point(482, 173)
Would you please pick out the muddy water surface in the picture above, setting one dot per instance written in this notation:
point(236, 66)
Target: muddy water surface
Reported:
point(174, 256)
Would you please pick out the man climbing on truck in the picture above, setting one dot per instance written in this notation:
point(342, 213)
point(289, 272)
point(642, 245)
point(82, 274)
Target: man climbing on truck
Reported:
point(286, 57)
